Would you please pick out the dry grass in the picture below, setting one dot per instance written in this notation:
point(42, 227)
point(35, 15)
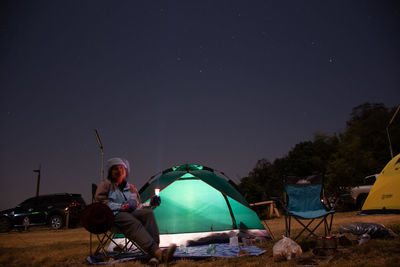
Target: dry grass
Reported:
point(42, 247)
point(277, 225)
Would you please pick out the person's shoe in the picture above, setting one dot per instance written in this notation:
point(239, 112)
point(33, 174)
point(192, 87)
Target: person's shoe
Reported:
point(168, 254)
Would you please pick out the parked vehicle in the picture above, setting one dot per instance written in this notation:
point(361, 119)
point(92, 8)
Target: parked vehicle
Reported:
point(52, 209)
point(357, 195)
point(360, 193)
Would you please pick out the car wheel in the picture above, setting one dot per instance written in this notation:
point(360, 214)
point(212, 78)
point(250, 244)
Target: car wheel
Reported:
point(56, 222)
point(5, 225)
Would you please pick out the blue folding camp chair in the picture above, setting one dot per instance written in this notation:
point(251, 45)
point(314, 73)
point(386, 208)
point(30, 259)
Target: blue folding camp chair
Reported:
point(303, 202)
point(108, 236)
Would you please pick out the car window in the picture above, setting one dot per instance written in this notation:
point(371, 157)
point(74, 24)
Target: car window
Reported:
point(31, 203)
point(46, 200)
point(59, 198)
point(370, 180)
point(51, 200)
point(28, 202)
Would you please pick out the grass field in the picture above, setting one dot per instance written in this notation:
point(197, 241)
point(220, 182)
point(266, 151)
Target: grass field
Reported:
point(70, 247)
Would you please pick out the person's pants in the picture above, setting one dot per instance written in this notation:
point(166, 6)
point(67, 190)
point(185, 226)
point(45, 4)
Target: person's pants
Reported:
point(140, 226)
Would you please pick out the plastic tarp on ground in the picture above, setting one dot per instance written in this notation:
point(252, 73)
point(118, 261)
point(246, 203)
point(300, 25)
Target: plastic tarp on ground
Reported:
point(195, 252)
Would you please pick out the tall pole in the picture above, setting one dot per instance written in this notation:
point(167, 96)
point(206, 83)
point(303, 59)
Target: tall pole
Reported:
point(38, 181)
point(387, 130)
point(102, 153)
point(102, 173)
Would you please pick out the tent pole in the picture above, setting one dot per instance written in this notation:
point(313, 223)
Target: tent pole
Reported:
point(234, 225)
point(387, 131)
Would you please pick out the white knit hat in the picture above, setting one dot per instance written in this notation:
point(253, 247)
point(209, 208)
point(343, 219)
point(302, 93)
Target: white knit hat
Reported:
point(117, 161)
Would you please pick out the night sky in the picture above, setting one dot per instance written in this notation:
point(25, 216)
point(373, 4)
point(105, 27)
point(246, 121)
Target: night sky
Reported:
point(217, 83)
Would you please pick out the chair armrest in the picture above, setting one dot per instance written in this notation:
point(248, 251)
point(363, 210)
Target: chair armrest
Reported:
point(278, 199)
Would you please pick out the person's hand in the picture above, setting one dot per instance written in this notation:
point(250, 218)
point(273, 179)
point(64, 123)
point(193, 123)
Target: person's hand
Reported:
point(155, 201)
point(131, 205)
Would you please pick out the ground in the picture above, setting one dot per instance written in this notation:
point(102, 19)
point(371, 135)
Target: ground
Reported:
point(70, 247)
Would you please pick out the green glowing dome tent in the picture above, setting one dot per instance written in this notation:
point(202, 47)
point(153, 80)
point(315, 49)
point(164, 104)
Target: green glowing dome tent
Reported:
point(197, 201)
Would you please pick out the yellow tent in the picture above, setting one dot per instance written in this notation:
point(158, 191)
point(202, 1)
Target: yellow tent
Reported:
point(384, 196)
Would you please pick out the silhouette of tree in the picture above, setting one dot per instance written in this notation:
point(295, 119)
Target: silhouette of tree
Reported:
point(344, 159)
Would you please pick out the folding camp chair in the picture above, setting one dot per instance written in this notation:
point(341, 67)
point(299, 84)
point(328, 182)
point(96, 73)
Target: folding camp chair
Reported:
point(107, 239)
point(303, 202)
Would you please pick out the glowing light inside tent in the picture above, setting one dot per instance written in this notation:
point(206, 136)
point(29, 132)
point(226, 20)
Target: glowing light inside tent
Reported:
point(187, 175)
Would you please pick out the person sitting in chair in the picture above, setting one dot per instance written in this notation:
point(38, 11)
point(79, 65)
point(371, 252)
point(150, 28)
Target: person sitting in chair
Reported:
point(136, 223)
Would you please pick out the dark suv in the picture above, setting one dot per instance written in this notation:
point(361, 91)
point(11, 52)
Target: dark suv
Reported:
point(53, 209)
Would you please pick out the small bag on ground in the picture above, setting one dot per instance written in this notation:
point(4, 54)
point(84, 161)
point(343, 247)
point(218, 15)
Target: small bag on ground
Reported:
point(287, 249)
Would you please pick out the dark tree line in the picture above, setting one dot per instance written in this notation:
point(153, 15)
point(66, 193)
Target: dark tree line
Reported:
point(344, 159)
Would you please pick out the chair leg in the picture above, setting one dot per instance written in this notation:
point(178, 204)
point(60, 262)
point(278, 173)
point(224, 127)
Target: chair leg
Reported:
point(287, 225)
point(315, 228)
point(330, 225)
point(102, 243)
point(90, 246)
point(305, 227)
point(107, 238)
point(98, 249)
point(327, 226)
point(128, 244)
point(311, 232)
